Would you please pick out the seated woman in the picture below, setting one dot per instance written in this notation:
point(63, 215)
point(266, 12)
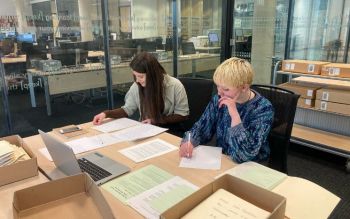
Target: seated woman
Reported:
point(160, 98)
point(240, 117)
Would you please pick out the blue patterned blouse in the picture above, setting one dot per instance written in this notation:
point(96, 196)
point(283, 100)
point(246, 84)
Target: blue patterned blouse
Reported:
point(243, 142)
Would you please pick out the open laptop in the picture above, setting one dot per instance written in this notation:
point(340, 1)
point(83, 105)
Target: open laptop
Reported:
point(99, 167)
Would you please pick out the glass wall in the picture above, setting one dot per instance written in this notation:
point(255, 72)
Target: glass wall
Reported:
point(50, 52)
point(200, 37)
point(319, 30)
point(53, 53)
point(254, 34)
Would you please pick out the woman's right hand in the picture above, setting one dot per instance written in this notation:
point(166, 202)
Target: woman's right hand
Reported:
point(98, 119)
point(186, 149)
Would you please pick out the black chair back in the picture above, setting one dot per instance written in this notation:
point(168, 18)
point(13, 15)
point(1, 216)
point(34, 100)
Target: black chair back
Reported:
point(199, 92)
point(284, 102)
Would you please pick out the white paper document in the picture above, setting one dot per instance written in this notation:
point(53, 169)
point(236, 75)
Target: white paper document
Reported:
point(85, 144)
point(203, 157)
point(155, 201)
point(223, 204)
point(116, 125)
point(147, 150)
point(139, 132)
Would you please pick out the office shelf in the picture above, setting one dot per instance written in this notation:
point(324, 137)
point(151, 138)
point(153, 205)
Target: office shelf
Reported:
point(322, 130)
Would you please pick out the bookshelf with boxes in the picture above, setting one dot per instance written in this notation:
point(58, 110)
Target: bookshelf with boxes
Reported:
point(323, 108)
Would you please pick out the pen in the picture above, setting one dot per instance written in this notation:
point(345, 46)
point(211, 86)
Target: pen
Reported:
point(99, 137)
point(188, 144)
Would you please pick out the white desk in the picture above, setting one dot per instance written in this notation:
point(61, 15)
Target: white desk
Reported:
point(93, 75)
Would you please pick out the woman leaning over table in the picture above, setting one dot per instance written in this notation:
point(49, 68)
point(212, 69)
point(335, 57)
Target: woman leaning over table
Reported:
point(240, 117)
point(160, 98)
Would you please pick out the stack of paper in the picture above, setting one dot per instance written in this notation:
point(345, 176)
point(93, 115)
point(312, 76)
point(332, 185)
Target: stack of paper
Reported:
point(147, 150)
point(223, 204)
point(6, 153)
point(150, 190)
point(11, 153)
point(138, 132)
point(258, 174)
point(305, 199)
point(116, 125)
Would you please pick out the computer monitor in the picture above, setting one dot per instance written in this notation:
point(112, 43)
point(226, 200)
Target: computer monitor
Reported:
point(26, 37)
point(169, 43)
point(213, 37)
point(11, 34)
point(188, 48)
point(69, 57)
point(7, 46)
point(239, 32)
point(149, 46)
point(2, 36)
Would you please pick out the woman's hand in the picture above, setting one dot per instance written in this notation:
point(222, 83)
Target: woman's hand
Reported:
point(98, 119)
point(186, 149)
point(147, 121)
point(232, 109)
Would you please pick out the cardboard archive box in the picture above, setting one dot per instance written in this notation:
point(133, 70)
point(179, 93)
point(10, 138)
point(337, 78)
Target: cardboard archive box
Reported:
point(70, 197)
point(258, 196)
point(336, 70)
point(334, 95)
point(305, 102)
point(19, 170)
point(333, 107)
point(303, 66)
point(307, 91)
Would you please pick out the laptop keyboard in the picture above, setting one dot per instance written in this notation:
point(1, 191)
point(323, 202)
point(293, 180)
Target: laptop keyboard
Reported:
point(96, 172)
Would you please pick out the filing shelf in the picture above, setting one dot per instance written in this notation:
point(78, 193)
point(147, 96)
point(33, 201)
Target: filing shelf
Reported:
point(321, 130)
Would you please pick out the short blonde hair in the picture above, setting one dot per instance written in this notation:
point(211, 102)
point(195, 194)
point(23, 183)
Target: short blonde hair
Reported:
point(234, 72)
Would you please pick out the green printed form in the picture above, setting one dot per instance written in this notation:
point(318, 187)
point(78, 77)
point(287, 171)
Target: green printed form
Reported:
point(167, 200)
point(134, 183)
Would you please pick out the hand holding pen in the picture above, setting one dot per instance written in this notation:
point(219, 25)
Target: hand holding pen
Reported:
point(186, 147)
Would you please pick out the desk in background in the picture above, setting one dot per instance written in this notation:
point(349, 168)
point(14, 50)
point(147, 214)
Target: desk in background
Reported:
point(14, 60)
point(90, 76)
point(209, 49)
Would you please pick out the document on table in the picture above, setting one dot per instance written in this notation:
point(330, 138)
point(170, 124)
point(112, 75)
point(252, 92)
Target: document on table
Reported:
point(147, 150)
point(257, 174)
point(139, 132)
point(116, 125)
point(306, 199)
point(155, 201)
point(223, 204)
point(85, 144)
point(136, 182)
point(203, 157)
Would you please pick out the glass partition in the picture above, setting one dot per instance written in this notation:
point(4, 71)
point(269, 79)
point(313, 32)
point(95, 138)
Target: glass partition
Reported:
point(200, 37)
point(319, 30)
point(254, 35)
point(51, 54)
point(54, 56)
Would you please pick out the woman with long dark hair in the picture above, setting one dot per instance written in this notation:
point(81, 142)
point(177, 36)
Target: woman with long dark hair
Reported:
point(160, 98)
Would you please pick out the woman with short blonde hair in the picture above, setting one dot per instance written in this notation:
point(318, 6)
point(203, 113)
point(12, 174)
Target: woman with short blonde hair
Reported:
point(240, 117)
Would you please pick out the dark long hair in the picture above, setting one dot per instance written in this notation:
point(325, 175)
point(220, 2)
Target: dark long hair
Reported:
point(151, 96)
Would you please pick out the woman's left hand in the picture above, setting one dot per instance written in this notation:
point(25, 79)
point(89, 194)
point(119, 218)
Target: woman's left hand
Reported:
point(230, 103)
point(232, 109)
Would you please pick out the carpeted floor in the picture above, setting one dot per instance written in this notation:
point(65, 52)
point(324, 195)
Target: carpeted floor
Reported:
point(322, 168)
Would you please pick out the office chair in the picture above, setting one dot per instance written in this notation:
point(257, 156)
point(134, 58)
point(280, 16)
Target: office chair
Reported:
point(284, 102)
point(199, 92)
